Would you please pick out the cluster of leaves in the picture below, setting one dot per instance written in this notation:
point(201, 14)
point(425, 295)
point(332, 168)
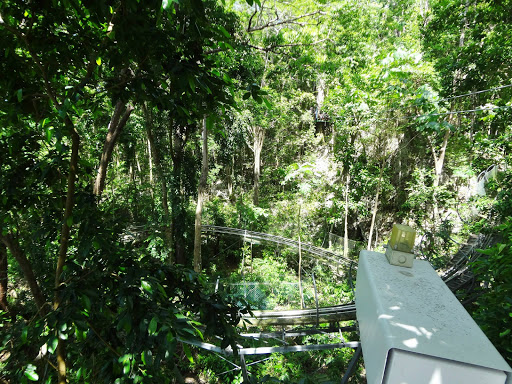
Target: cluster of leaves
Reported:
point(122, 316)
point(493, 307)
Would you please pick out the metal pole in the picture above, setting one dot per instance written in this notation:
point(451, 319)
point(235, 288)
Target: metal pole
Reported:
point(352, 365)
point(245, 374)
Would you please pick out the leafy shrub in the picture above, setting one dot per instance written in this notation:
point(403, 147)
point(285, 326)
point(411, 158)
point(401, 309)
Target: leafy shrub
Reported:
point(494, 307)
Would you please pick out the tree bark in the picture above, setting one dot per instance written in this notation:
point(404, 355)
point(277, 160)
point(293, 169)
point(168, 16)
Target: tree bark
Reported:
point(178, 141)
point(345, 236)
point(438, 169)
point(200, 198)
point(300, 266)
point(115, 127)
point(375, 206)
point(67, 221)
point(159, 170)
point(258, 139)
point(3, 277)
point(154, 157)
point(13, 246)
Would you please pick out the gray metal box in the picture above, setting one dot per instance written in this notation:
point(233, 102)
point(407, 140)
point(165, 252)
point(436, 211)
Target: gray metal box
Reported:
point(415, 331)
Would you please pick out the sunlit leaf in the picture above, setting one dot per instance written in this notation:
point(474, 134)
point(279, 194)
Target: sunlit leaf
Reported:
point(152, 326)
point(30, 373)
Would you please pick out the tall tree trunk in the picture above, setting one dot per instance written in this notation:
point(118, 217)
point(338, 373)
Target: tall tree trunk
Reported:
point(230, 175)
point(13, 246)
point(438, 169)
point(115, 127)
point(258, 139)
point(300, 264)
point(154, 157)
point(178, 140)
point(150, 155)
point(200, 197)
point(345, 236)
point(3, 277)
point(375, 206)
point(67, 221)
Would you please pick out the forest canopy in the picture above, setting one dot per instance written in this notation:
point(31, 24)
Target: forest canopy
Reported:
point(127, 126)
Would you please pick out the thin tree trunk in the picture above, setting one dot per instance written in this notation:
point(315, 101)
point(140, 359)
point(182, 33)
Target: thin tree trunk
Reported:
point(345, 236)
point(154, 157)
point(150, 157)
point(300, 265)
point(230, 169)
point(375, 206)
point(115, 127)
point(178, 141)
point(438, 169)
point(259, 138)
point(13, 246)
point(67, 221)
point(3, 277)
point(200, 197)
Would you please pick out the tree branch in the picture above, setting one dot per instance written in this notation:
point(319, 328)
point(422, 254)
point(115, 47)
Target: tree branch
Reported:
point(276, 22)
point(13, 246)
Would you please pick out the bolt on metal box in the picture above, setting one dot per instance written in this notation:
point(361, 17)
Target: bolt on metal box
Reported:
point(414, 330)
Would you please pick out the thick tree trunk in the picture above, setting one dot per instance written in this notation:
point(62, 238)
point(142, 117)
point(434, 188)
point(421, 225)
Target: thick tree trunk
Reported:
point(258, 139)
point(115, 127)
point(200, 198)
point(3, 277)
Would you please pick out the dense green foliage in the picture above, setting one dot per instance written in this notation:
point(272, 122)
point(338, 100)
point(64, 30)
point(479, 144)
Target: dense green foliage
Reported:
point(326, 122)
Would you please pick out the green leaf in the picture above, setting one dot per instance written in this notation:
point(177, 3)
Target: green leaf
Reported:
point(227, 79)
point(86, 302)
point(146, 286)
point(186, 349)
point(504, 333)
point(98, 61)
point(246, 95)
point(147, 357)
point(69, 221)
point(152, 326)
point(192, 83)
point(49, 134)
point(52, 344)
point(224, 31)
point(30, 373)
point(167, 3)
point(19, 93)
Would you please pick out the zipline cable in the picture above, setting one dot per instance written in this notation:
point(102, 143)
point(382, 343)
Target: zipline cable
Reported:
point(445, 113)
point(450, 98)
